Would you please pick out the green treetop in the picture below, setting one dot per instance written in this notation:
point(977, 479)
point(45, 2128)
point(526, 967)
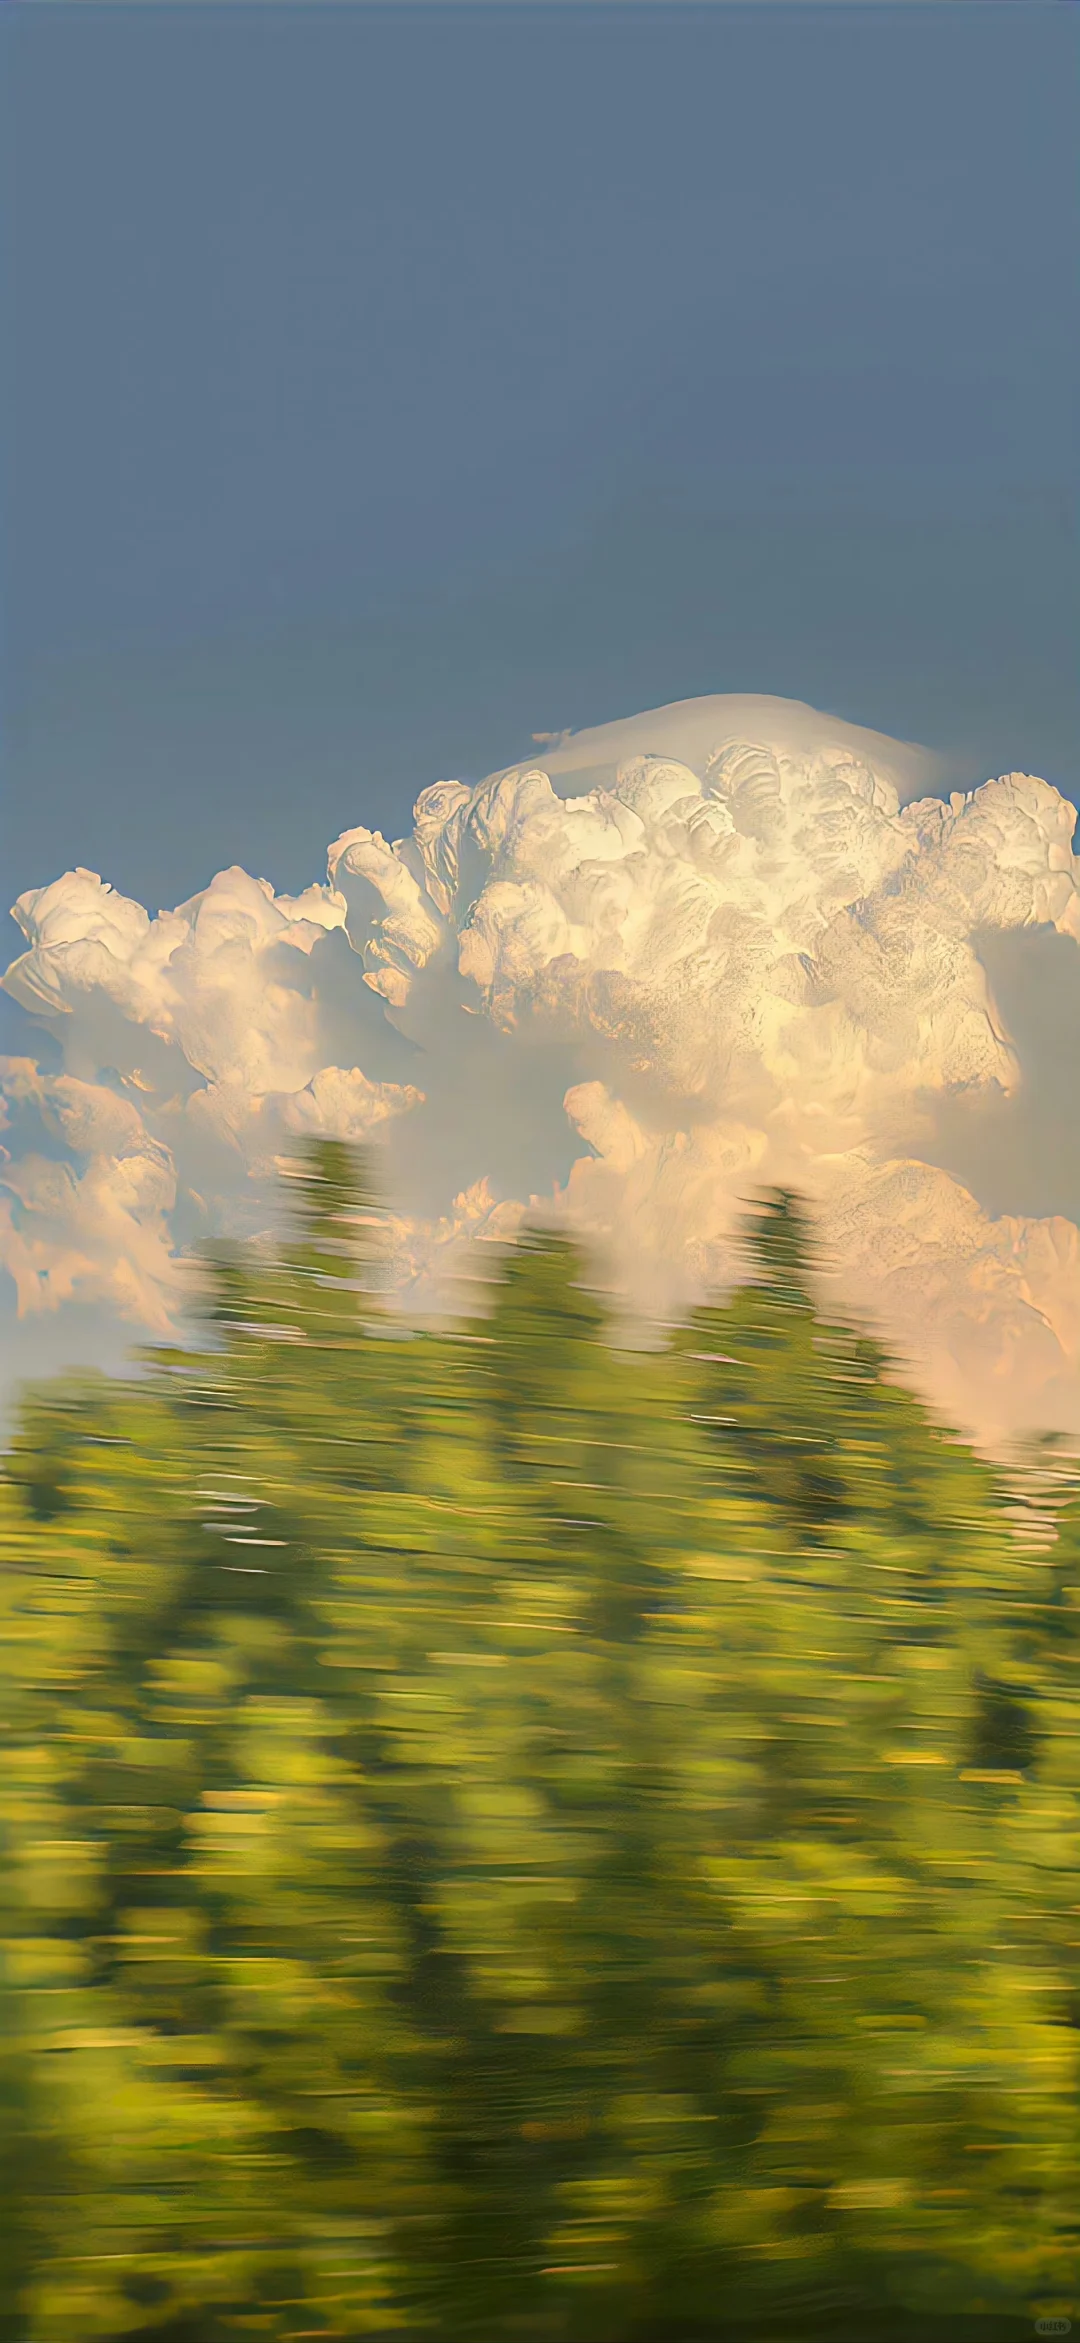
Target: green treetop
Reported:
point(504, 1835)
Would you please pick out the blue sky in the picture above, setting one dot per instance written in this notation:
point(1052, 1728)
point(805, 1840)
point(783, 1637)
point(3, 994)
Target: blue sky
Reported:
point(393, 384)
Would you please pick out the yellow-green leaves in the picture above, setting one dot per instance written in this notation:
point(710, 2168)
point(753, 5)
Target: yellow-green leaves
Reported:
point(495, 1827)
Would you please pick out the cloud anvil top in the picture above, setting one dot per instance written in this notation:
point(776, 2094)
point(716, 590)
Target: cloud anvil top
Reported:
point(716, 946)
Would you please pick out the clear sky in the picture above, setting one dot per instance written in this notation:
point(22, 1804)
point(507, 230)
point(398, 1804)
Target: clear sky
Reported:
point(394, 384)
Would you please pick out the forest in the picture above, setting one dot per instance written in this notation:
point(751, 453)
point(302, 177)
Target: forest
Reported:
point(603, 1870)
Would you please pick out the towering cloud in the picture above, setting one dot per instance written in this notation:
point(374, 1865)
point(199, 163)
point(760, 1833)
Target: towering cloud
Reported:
point(720, 945)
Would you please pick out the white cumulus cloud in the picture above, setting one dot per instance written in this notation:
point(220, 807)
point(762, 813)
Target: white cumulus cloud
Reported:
point(720, 945)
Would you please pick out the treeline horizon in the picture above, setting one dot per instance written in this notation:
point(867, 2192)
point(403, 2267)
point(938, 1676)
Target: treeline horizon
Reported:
point(505, 1836)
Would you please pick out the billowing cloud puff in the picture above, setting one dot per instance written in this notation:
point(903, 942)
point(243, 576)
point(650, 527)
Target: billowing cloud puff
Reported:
point(721, 945)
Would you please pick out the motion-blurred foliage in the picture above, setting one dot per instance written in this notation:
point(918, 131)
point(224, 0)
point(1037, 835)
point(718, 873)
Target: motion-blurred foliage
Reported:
point(508, 1836)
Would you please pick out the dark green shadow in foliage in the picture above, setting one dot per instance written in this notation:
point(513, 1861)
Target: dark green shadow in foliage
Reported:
point(506, 1837)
